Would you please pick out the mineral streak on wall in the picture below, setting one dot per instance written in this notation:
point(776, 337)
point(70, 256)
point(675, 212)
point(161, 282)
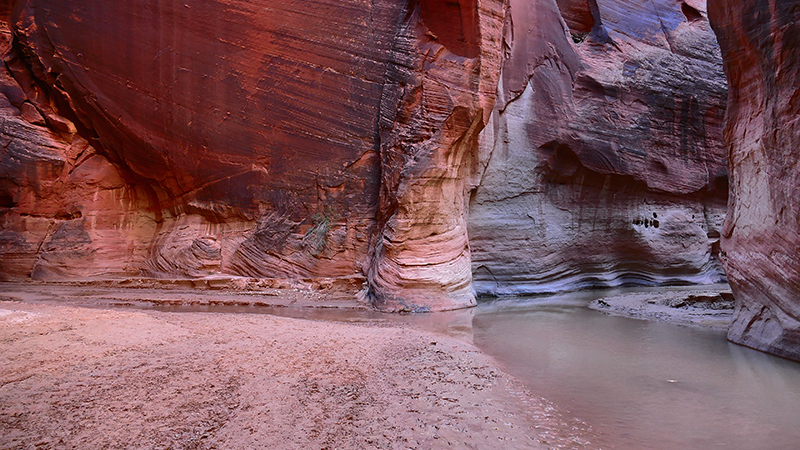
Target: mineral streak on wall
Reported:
point(760, 42)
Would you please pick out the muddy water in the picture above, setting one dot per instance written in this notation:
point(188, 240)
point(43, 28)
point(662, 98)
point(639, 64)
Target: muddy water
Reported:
point(641, 384)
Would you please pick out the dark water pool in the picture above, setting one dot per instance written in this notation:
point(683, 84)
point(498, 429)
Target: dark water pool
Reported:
point(641, 384)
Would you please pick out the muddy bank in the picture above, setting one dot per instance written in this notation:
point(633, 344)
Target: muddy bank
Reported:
point(708, 307)
point(74, 377)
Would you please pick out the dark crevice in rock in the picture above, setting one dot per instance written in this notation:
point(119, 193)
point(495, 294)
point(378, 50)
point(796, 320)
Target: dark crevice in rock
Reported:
point(691, 13)
point(577, 14)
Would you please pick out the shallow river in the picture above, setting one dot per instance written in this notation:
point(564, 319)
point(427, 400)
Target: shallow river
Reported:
point(641, 384)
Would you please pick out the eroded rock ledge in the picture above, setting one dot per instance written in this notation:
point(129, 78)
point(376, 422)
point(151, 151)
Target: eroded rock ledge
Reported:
point(710, 307)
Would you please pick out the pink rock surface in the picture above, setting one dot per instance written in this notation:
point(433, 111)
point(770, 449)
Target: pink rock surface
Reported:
point(760, 43)
point(442, 91)
point(261, 138)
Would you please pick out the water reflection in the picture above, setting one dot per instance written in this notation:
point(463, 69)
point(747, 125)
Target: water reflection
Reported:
point(640, 384)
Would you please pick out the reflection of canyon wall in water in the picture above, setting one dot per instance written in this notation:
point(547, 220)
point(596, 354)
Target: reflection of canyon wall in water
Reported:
point(760, 42)
point(344, 138)
point(603, 161)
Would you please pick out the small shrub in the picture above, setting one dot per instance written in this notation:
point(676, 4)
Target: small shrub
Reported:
point(316, 238)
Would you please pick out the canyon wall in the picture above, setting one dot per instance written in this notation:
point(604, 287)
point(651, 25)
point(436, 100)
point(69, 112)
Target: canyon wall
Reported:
point(603, 163)
point(255, 139)
point(760, 42)
point(431, 149)
point(247, 129)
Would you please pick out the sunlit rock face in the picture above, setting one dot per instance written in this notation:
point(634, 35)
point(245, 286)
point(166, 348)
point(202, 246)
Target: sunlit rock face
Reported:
point(760, 42)
point(603, 163)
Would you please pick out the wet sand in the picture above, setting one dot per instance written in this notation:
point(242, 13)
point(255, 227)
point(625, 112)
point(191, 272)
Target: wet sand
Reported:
point(710, 307)
point(77, 377)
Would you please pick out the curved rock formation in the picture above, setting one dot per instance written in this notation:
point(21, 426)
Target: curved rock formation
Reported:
point(603, 162)
point(440, 94)
point(760, 42)
point(254, 139)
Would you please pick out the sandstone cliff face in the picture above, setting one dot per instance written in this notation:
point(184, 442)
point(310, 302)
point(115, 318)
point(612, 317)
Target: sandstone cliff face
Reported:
point(760, 42)
point(603, 163)
point(353, 139)
point(65, 210)
point(256, 139)
point(251, 124)
point(443, 82)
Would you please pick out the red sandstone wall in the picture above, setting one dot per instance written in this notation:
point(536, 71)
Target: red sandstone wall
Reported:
point(343, 139)
point(256, 139)
point(248, 128)
point(760, 42)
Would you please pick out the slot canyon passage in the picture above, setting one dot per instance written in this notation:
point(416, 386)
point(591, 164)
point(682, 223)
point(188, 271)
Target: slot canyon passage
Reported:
point(171, 169)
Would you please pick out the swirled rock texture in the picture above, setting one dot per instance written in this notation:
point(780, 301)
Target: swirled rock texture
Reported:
point(760, 42)
point(417, 145)
point(603, 162)
point(443, 83)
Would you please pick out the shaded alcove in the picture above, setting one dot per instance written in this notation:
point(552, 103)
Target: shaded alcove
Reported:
point(454, 23)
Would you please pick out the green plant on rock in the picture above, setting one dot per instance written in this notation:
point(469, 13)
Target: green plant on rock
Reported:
point(316, 238)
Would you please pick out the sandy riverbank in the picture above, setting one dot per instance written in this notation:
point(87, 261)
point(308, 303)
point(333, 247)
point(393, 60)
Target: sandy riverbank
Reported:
point(74, 377)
